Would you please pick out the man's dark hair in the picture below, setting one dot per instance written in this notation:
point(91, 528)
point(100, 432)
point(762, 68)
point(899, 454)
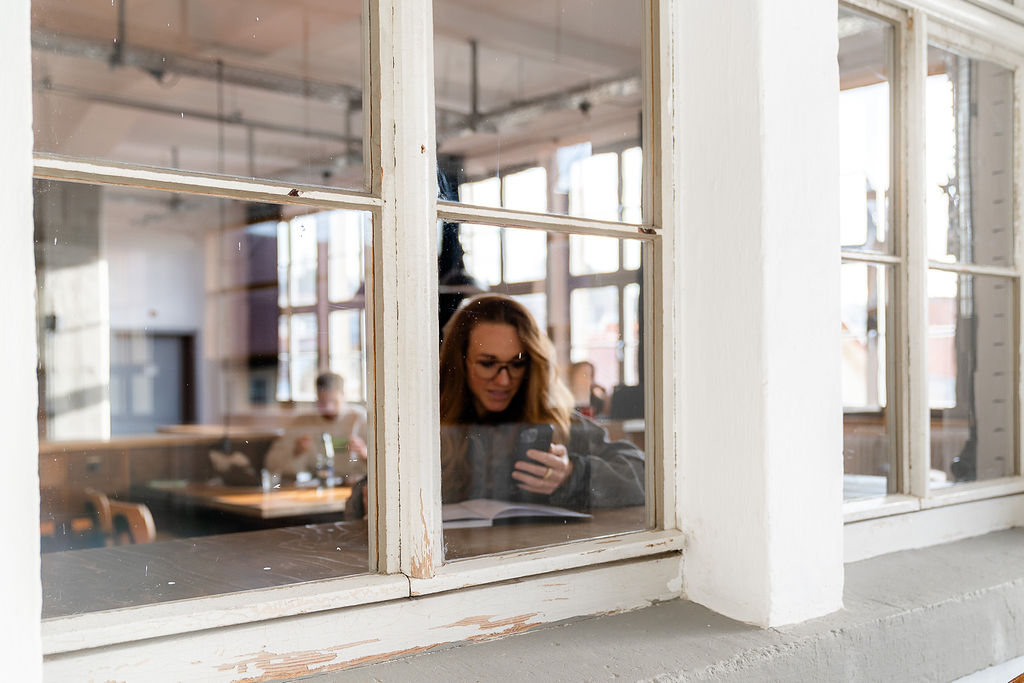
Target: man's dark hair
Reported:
point(330, 381)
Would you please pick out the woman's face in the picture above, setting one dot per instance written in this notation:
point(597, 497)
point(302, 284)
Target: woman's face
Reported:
point(494, 347)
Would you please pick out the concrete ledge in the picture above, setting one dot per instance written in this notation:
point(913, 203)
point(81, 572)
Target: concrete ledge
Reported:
point(934, 614)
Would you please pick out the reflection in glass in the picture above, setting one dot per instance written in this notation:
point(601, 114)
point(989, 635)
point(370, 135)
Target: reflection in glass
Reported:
point(169, 364)
point(502, 376)
point(594, 316)
point(523, 255)
point(969, 120)
point(273, 91)
point(589, 254)
point(482, 245)
point(865, 140)
point(567, 101)
point(868, 448)
point(971, 376)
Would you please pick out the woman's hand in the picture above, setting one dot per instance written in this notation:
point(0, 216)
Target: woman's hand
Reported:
point(546, 473)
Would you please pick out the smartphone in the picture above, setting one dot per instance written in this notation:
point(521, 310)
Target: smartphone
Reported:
point(530, 436)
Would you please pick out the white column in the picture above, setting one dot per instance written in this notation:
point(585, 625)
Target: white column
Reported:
point(760, 443)
point(20, 648)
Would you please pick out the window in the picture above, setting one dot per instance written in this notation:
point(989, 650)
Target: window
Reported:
point(930, 275)
point(217, 228)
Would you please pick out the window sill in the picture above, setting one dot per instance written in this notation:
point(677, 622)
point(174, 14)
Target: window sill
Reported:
point(273, 648)
point(532, 561)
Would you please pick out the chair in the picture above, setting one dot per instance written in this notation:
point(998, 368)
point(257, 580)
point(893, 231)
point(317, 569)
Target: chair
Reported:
point(133, 519)
point(120, 523)
point(98, 506)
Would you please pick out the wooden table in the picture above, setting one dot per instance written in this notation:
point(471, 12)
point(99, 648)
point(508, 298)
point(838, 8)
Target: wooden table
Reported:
point(99, 579)
point(253, 502)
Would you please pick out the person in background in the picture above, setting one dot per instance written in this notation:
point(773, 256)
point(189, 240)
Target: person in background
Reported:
point(296, 450)
point(497, 375)
point(591, 398)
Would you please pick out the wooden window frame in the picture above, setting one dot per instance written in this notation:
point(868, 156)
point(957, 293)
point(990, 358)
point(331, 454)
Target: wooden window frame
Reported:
point(977, 32)
point(406, 558)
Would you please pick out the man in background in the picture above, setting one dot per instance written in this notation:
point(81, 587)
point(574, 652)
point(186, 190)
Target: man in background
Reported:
point(296, 450)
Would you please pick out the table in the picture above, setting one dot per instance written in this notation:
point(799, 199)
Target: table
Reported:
point(253, 502)
point(97, 579)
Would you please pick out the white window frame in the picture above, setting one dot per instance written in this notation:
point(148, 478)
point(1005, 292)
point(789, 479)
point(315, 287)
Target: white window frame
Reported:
point(404, 502)
point(996, 34)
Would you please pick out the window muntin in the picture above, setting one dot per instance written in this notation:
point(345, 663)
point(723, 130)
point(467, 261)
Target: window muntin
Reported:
point(583, 325)
point(224, 87)
point(576, 82)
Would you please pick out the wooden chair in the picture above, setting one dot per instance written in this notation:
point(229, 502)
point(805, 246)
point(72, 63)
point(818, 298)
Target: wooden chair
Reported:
point(121, 523)
point(98, 505)
point(133, 519)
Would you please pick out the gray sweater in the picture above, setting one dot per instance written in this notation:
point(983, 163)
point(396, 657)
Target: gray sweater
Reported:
point(604, 474)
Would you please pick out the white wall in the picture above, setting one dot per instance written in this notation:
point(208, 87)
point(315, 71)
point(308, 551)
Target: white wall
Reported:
point(20, 646)
point(156, 280)
point(761, 434)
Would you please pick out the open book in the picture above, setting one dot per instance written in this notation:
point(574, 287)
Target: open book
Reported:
point(483, 512)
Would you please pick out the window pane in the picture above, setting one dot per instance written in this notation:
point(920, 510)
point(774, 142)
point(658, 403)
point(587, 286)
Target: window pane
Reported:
point(632, 184)
point(865, 141)
point(869, 462)
point(345, 253)
point(526, 190)
point(302, 268)
point(273, 91)
point(525, 255)
point(486, 192)
point(163, 353)
point(971, 376)
point(485, 409)
point(348, 351)
point(594, 187)
point(510, 79)
point(482, 244)
point(594, 315)
point(589, 254)
point(537, 305)
point(969, 159)
point(631, 331)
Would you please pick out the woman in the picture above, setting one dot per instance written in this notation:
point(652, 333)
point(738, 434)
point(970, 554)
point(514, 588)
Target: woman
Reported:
point(497, 374)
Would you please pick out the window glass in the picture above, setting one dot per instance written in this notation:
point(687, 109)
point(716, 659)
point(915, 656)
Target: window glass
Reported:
point(632, 186)
point(596, 331)
point(526, 190)
point(558, 367)
point(971, 377)
point(302, 268)
point(542, 85)
point(176, 386)
point(482, 244)
point(589, 254)
point(269, 89)
point(865, 139)
point(869, 463)
point(524, 254)
point(969, 119)
point(348, 350)
point(346, 254)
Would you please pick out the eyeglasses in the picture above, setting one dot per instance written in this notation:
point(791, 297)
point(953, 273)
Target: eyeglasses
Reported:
point(489, 369)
